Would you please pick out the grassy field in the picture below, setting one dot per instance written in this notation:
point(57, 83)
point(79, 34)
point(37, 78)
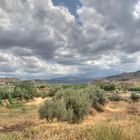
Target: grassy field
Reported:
point(103, 111)
point(119, 121)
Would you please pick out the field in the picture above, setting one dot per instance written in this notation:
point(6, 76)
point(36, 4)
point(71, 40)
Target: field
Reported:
point(119, 120)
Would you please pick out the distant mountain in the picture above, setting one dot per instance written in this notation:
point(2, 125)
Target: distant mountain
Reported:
point(125, 76)
point(69, 80)
point(63, 80)
point(135, 76)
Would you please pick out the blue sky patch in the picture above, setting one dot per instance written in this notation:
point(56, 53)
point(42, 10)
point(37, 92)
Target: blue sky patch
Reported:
point(70, 4)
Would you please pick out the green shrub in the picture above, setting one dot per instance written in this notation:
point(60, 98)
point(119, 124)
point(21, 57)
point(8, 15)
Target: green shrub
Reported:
point(66, 106)
point(98, 98)
point(75, 87)
point(52, 91)
point(6, 93)
point(10, 99)
point(41, 86)
point(43, 94)
point(107, 86)
point(134, 89)
point(101, 96)
point(77, 105)
point(74, 104)
point(134, 97)
point(115, 97)
point(0, 99)
point(52, 110)
point(24, 90)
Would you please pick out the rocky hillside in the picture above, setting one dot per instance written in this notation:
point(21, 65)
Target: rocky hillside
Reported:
point(125, 77)
point(8, 80)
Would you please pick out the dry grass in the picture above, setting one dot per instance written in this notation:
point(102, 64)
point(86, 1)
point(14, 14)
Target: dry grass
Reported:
point(116, 123)
point(36, 101)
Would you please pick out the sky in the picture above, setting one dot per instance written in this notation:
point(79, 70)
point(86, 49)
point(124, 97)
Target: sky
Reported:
point(42, 39)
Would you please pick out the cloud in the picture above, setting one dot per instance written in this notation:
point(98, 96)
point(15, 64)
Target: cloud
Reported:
point(38, 38)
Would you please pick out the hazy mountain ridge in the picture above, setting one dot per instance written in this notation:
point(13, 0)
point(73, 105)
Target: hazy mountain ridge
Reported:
point(79, 80)
point(70, 80)
point(125, 76)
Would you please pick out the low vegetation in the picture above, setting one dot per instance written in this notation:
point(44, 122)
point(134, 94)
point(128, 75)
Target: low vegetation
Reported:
point(135, 88)
point(135, 97)
point(107, 86)
point(22, 91)
point(73, 105)
point(100, 111)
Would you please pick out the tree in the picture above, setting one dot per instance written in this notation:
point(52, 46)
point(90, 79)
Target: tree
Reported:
point(24, 90)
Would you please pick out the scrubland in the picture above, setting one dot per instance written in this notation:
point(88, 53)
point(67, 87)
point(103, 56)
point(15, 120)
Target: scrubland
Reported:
point(111, 115)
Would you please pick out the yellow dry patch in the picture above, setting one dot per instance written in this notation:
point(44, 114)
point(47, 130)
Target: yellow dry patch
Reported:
point(36, 101)
point(3, 109)
point(116, 106)
point(125, 95)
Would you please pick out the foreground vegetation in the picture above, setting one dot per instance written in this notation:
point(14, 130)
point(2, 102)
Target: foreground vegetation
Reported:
point(72, 105)
point(31, 111)
point(115, 123)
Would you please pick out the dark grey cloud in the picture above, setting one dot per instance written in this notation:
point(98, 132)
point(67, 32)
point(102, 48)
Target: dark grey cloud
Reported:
point(39, 37)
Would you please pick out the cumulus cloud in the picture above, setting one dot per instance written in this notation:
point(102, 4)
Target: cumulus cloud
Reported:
point(38, 38)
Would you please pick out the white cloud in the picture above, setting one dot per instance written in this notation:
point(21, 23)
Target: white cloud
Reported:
point(136, 11)
point(31, 65)
point(38, 38)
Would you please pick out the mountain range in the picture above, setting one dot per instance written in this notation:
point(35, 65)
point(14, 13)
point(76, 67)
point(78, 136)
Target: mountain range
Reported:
point(81, 80)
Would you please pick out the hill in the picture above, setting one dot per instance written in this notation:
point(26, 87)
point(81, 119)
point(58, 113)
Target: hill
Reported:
point(125, 77)
point(8, 80)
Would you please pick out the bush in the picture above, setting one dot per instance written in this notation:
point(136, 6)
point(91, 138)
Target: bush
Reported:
point(134, 97)
point(78, 106)
point(10, 99)
point(101, 96)
point(6, 93)
point(74, 104)
point(75, 87)
point(98, 98)
point(115, 97)
point(52, 109)
point(107, 86)
point(66, 106)
point(0, 99)
point(52, 91)
point(24, 90)
point(134, 89)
